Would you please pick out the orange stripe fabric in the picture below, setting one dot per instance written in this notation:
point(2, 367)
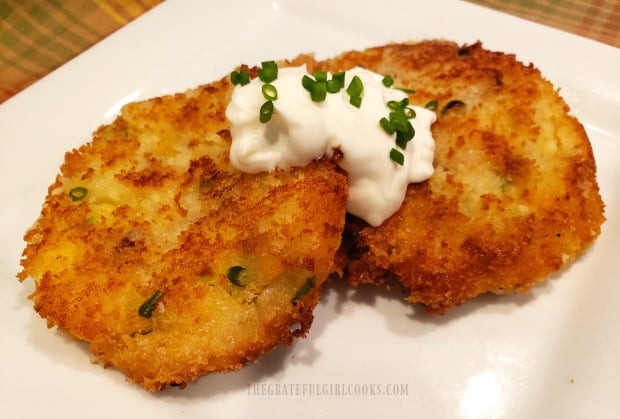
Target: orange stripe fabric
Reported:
point(37, 36)
point(594, 19)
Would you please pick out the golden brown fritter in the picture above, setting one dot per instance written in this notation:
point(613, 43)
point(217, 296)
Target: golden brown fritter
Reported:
point(168, 261)
point(514, 196)
point(172, 264)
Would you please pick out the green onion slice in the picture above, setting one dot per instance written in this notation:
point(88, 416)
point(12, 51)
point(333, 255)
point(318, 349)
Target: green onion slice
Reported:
point(339, 77)
point(266, 112)
point(146, 309)
point(321, 85)
point(319, 91)
point(307, 82)
point(240, 77)
point(269, 91)
point(268, 72)
point(356, 87)
point(387, 81)
point(387, 126)
point(78, 193)
point(393, 105)
point(402, 140)
point(397, 156)
point(398, 104)
point(304, 289)
point(432, 105)
point(399, 120)
point(320, 75)
point(236, 275)
point(409, 112)
point(450, 105)
point(333, 86)
point(245, 77)
point(404, 89)
point(356, 101)
point(234, 77)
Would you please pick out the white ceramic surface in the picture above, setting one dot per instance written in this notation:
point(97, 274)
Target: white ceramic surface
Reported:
point(553, 353)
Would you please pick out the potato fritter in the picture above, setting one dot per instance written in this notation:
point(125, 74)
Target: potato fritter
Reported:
point(514, 196)
point(172, 264)
point(168, 261)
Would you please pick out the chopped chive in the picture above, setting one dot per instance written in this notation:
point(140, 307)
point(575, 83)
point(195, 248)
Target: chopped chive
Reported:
point(339, 77)
point(244, 77)
point(401, 140)
point(404, 89)
point(399, 120)
point(319, 91)
point(356, 87)
point(146, 309)
point(240, 77)
point(78, 193)
point(268, 72)
point(321, 85)
point(333, 86)
point(387, 81)
point(410, 133)
point(409, 112)
point(397, 156)
point(450, 105)
point(432, 105)
point(235, 275)
point(398, 104)
point(269, 91)
point(399, 124)
point(393, 104)
point(307, 82)
point(356, 101)
point(387, 125)
point(235, 78)
point(266, 112)
point(304, 289)
point(320, 75)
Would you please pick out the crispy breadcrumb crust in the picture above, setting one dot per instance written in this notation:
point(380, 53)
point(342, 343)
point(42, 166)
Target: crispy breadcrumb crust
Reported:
point(513, 199)
point(165, 211)
point(514, 196)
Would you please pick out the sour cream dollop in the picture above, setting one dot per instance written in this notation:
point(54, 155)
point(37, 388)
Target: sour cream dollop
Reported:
point(301, 130)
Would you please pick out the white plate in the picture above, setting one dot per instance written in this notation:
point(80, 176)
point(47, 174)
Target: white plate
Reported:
point(551, 353)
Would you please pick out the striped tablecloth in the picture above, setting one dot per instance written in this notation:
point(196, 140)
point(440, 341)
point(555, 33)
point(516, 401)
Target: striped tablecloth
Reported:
point(37, 36)
point(594, 19)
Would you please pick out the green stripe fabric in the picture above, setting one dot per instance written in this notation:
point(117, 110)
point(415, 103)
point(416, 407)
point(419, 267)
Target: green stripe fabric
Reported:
point(37, 36)
point(594, 19)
